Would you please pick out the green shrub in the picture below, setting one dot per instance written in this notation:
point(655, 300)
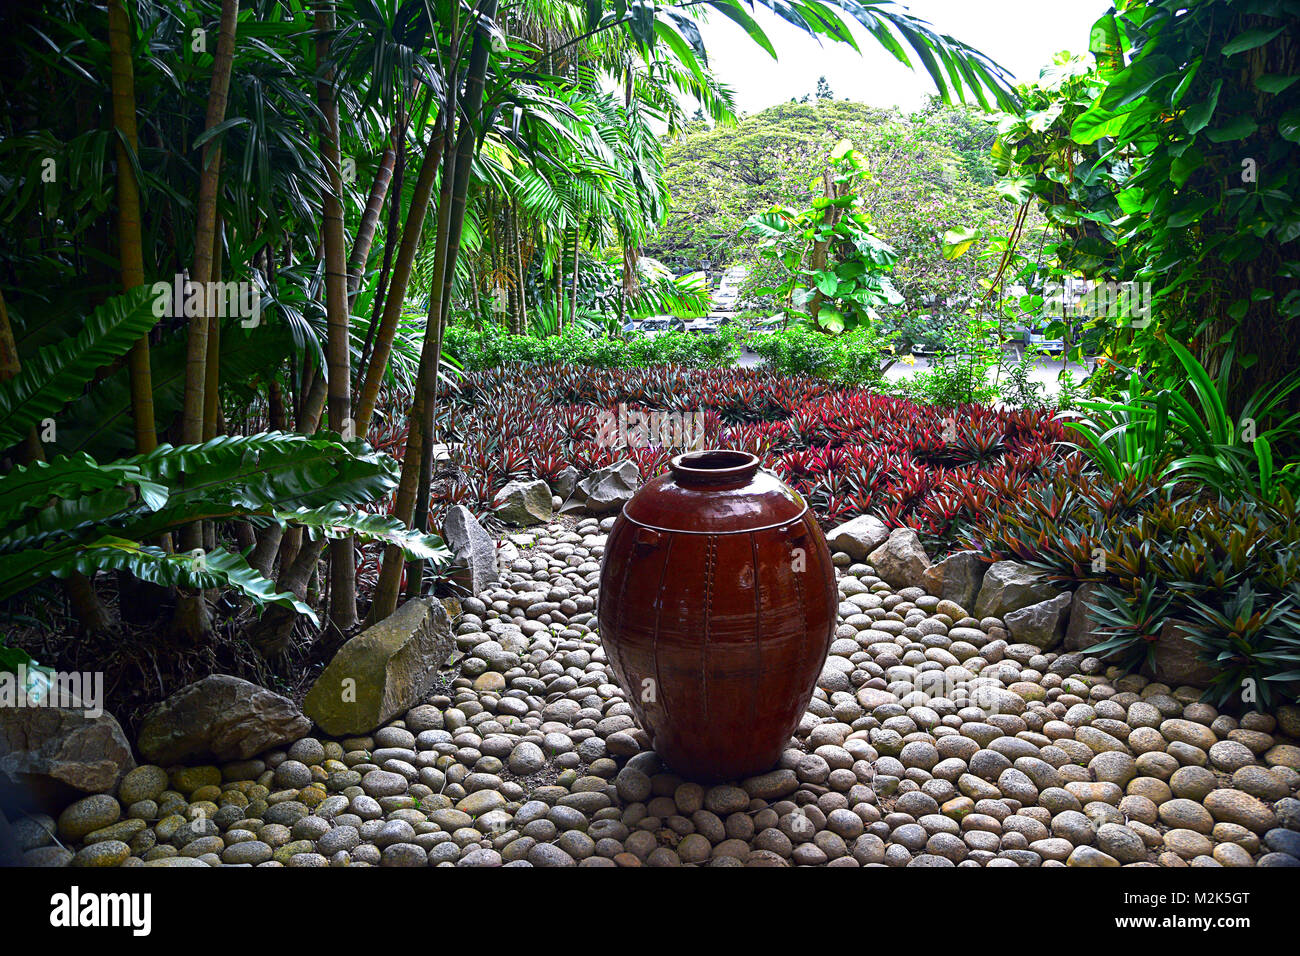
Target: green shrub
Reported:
point(1130, 622)
point(1219, 563)
point(490, 347)
point(922, 329)
point(795, 351)
point(76, 515)
point(1158, 432)
point(1256, 647)
point(1017, 387)
point(859, 357)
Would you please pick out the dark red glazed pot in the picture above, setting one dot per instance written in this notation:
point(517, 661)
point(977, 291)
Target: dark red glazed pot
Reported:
point(717, 608)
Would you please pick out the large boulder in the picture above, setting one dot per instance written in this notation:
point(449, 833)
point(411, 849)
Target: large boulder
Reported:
point(384, 671)
point(565, 482)
point(219, 718)
point(606, 490)
point(1081, 632)
point(859, 537)
point(1041, 624)
point(474, 553)
point(1174, 661)
point(956, 578)
point(523, 503)
point(1288, 720)
point(901, 560)
point(48, 754)
point(1009, 586)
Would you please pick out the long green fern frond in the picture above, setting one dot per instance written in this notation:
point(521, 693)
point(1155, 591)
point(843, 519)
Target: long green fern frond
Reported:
point(58, 373)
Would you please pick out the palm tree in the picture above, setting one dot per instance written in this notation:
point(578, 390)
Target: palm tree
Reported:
point(503, 114)
point(513, 85)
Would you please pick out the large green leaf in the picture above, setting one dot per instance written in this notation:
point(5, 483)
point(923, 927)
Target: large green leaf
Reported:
point(218, 568)
point(1288, 126)
point(259, 474)
point(831, 320)
point(57, 373)
point(1015, 189)
point(1190, 213)
point(1097, 122)
point(30, 487)
point(74, 515)
point(63, 518)
point(1198, 114)
point(1239, 127)
point(1136, 81)
point(773, 224)
point(336, 521)
point(956, 242)
point(1106, 45)
point(254, 477)
point(1181, 169)
point(1250, 39)
point(100, 423)
point(1275, 82)
point(826, 283)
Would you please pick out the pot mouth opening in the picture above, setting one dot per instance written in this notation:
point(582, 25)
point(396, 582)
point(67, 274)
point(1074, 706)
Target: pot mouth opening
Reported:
point(714, 466)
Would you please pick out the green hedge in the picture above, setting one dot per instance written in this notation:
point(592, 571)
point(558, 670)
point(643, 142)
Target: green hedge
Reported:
point(474, 350)
point(859, 357)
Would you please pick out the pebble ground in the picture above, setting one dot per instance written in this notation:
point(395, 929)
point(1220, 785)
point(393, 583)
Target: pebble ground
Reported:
point(930, 741)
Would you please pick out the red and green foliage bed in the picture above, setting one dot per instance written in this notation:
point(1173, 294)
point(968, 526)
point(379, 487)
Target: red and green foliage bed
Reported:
point(848, 451)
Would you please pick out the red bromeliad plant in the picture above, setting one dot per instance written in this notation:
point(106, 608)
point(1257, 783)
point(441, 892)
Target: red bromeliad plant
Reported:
point(846, 450)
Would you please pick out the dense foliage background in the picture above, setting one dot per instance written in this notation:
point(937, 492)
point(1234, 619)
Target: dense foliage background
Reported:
point(406, 194)
point(925, 174)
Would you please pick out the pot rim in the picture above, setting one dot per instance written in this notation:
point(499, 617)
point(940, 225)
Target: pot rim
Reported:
point(786, 523)
point(714, 466)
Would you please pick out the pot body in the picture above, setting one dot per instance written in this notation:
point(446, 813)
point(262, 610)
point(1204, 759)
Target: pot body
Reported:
point(717, 608)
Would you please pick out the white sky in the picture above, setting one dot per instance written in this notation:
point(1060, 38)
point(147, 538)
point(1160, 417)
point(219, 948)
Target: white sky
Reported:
point(1021, 35)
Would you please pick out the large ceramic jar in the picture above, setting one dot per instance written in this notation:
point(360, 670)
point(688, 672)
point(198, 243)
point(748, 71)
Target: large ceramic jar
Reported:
point(717, 607)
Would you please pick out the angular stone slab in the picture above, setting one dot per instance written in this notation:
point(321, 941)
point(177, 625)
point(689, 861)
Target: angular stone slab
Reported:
point(606, 490)
point(474, 553)
point(1009, 586)
point(219, 717)
point(55, 747)
point(1081, 632)
point(1174, 658)
point(523, 503)
point(384, 671)
point(956, 578)
point(859, 537)
point(901, 560)
point(1041, 624)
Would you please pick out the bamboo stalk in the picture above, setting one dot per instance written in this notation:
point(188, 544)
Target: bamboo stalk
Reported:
point(130, 243)
point(396, 295)
point(343, 597)
point(191, 621)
